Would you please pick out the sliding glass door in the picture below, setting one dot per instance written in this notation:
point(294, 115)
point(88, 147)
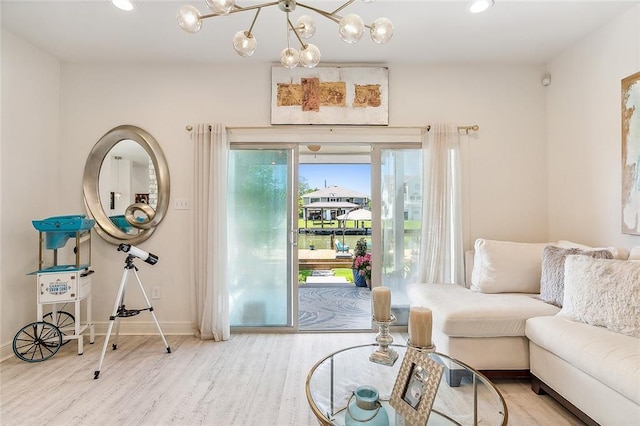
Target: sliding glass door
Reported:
point(263, 225)
point(262, 235)
point(401, 211)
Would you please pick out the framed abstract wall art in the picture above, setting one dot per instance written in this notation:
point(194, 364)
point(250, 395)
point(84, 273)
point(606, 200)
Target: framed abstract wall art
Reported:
point(631, 154)
point(330, 95)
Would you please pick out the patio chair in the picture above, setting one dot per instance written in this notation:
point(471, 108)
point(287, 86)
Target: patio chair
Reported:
point(341, 248)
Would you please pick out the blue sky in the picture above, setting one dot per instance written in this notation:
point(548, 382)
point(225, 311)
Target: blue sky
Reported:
point(356, 177)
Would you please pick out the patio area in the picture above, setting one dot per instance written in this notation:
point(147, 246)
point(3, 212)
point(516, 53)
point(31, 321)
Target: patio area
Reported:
point(329, 302)
point(334, 307)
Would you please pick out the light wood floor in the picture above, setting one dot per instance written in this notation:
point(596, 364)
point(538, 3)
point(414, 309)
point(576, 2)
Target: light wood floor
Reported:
point(252, 379)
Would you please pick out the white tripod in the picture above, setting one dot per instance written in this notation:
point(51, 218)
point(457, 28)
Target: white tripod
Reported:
point(119, 311)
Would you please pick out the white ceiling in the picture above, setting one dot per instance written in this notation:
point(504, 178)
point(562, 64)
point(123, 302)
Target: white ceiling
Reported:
point(426, 31)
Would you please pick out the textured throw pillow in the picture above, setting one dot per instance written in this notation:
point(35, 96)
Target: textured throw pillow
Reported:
point(506, 267)
point(617, 252)
point(604, 293)
point(552, 280)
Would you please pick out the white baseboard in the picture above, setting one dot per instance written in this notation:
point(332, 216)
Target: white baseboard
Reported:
point(127, 327)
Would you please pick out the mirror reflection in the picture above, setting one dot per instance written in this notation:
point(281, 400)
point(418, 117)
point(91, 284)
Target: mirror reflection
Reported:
point(127, 177)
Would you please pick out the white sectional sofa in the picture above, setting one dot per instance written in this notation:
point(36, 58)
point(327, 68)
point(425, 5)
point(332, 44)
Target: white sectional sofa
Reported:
point(486, 331)
point(580, 344)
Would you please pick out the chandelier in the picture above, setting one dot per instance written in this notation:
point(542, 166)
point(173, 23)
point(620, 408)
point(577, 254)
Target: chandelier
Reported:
point(351, 28)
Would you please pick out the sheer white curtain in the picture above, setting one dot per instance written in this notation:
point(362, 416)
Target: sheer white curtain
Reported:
point(441, 251)
point(211, 294)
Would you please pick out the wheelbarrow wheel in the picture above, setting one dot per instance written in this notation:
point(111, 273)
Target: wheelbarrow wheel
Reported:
point(62, 320)
point(37, 341)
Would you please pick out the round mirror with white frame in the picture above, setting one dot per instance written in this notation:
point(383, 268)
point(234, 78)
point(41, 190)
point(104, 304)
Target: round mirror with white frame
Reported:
point(126, 185)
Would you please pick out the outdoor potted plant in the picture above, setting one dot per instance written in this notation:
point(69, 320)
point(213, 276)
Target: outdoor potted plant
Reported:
point(361, 264)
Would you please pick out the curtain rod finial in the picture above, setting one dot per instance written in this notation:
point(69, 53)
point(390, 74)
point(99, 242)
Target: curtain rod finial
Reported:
point(467, 129)
point(189, 128)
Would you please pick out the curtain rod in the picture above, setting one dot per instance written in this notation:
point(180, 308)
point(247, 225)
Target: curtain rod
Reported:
point(467, 129)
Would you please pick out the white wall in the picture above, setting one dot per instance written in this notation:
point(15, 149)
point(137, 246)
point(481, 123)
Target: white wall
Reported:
point(507, 174)
point(584, 134)
point(30, 172)
point(545, 164)
point(506, 170)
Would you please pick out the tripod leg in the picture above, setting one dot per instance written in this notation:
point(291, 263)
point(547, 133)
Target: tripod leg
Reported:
point(114, 345)
point(153, 314)
point(121, 308)
point(112, 318)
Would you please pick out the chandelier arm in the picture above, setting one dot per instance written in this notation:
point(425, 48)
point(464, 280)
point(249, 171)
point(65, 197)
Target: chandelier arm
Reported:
point(255, 6)
point(342, 7)
point(295, 32)
point(240, 9)
point(288, 33)
point(255, 18)
point(334, 18)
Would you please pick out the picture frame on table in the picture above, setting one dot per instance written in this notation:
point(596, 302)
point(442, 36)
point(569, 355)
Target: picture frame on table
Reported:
point(416, 386)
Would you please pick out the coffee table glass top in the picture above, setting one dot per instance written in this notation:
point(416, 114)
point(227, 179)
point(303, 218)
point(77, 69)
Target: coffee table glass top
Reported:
point(332, 381)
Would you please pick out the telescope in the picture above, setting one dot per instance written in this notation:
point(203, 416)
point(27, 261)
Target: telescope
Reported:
point(119, 309)
point(150, 258)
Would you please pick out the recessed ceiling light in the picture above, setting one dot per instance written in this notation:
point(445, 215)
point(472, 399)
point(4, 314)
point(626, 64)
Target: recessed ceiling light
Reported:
point(479, 6)
point(126, 5)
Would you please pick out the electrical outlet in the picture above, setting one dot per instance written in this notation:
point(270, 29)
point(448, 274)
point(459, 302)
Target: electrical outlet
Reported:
point(155, 293)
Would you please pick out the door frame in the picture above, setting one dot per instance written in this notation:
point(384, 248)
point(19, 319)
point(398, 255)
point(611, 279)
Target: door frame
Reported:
point(292, 137)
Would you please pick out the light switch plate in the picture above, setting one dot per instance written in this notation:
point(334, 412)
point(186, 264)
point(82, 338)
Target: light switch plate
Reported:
point(181, 204)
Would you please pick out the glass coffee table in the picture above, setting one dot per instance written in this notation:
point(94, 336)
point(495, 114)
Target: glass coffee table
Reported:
point(332, 381)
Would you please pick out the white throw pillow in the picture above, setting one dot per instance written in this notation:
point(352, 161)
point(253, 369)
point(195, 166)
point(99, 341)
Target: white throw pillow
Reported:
point(604, 293)
point(634, 254)
point(618, 253)
point(506, 267)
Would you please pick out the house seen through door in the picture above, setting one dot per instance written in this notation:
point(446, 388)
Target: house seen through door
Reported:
point(295, 216)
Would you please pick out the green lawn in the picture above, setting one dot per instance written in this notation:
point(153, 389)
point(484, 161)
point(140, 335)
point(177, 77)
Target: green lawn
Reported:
point(344, 272)
point(338, 272)
point(303, 274)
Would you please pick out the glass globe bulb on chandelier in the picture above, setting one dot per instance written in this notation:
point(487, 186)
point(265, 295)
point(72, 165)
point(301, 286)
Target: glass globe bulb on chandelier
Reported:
point(351, 28)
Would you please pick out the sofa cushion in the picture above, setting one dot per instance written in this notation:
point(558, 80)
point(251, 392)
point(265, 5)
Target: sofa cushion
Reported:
point(506, 267)
point(552, 280)
point(634, 254)
point(617, 252)
point(605, 293)
point(460, 312)
point(611, 358)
